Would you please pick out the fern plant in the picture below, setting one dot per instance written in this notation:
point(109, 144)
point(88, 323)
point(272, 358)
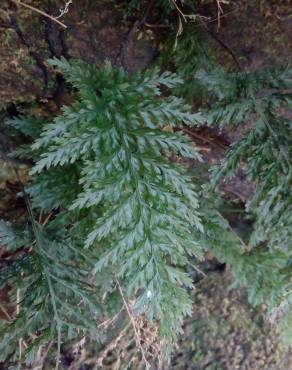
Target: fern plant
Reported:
point(264, 151)
point(140, 207)
point(262, 99)
point(125, 213)
point(231, 99)
point(106, 168)
point(50, 289)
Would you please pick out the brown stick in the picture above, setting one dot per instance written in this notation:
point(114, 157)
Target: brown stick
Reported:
point(18, 2)
point(204, 139)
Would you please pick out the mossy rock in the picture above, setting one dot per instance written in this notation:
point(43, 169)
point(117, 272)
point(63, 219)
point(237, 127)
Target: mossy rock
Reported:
point(225, 333)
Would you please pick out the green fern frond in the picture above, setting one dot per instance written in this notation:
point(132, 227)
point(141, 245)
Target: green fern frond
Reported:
point(265, 151)
point(51, 290)
point(106, 160)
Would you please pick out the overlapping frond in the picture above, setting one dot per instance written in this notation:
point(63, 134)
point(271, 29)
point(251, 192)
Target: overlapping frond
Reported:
point(259, 98)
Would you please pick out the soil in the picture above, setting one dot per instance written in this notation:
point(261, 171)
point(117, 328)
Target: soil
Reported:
point(96, 31)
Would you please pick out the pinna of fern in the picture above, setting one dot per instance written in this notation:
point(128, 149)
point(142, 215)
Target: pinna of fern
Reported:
point(264, 273)
point(133, 205)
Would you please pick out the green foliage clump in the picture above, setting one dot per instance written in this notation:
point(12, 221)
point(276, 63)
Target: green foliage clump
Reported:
point(49, 288)
point(262, 272)
point(124, 210)
point(259, 100)
point(134, 205)
point(264, 151)
point(105, 171)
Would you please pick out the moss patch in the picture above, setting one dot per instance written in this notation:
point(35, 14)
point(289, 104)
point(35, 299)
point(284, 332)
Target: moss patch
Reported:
point(226, 333)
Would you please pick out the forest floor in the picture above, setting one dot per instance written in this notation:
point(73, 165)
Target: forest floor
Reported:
point(225, 333)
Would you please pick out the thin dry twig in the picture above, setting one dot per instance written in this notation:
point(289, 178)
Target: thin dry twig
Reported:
point(224, 46)
point(197, 269)
point(47, 219)
point(107, 323)
point(42, 356)
point(205, 139)
point(64, 10)
point(183, 17)
point(110, 346)
point(199, 24)
point(5, 312)
point(36, 10)
point(220, 11)
point(138, 341)
point(17, 313)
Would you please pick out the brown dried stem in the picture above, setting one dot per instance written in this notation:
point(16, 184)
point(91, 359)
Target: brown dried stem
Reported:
point(137, 336)
point(36, 10)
